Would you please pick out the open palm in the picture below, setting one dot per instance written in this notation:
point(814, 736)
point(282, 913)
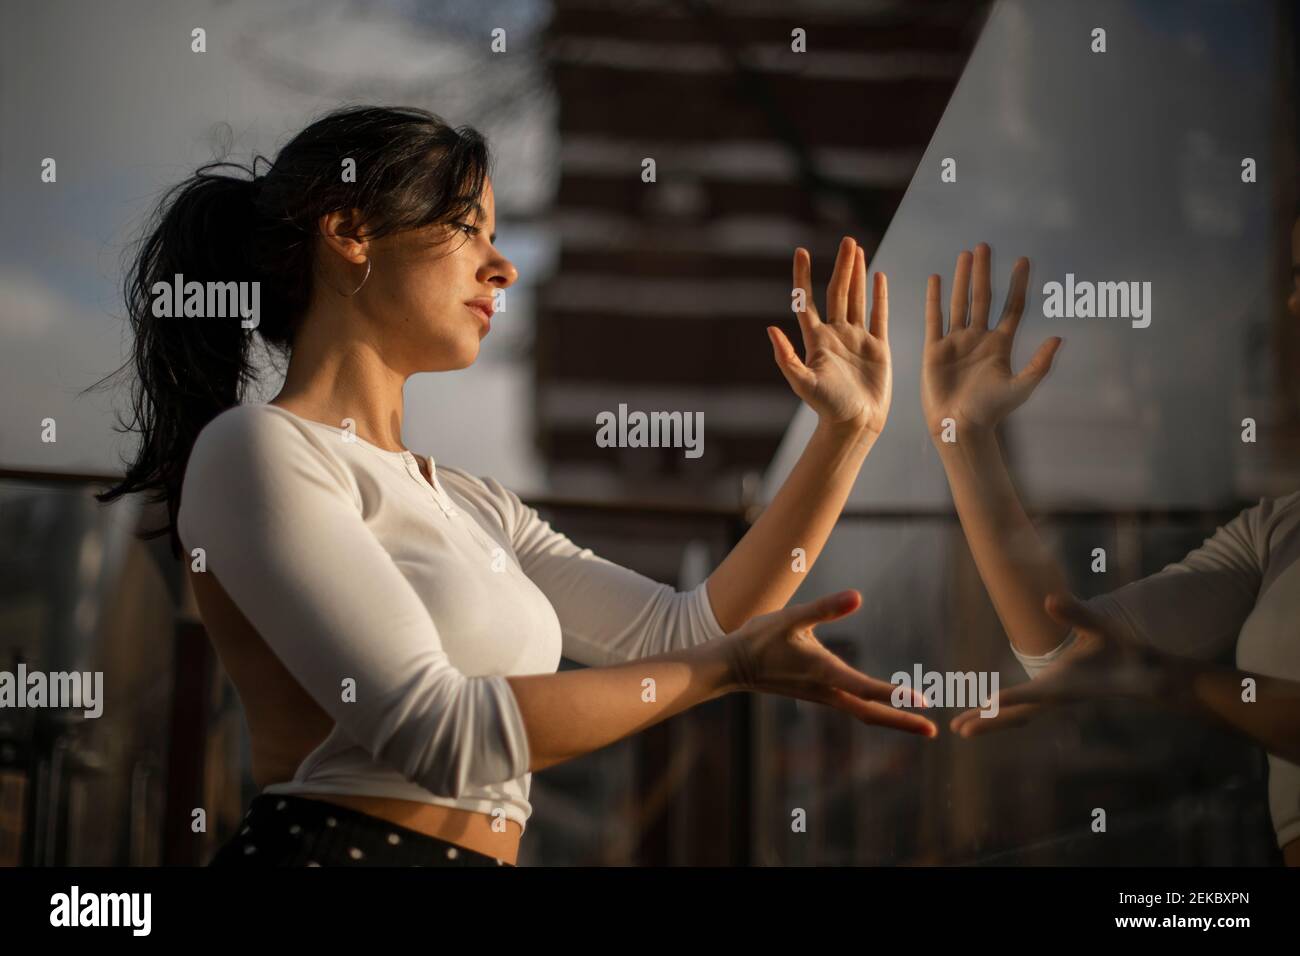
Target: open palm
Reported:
point(778, 653)
point(966, 374)
point(845, 375)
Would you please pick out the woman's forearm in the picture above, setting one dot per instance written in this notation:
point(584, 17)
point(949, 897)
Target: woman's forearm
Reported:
point(759, 574)
point(1271, 718)
point(576, 712)
point(1017, 570)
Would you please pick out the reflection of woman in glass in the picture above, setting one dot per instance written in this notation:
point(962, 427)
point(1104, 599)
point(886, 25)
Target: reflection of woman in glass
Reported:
point(394, 629)
point(1152, 639)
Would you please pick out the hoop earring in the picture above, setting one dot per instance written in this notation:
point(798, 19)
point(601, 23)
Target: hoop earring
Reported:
point(363, 282)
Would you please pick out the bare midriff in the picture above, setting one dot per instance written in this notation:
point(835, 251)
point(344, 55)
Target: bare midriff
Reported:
point(285, 725)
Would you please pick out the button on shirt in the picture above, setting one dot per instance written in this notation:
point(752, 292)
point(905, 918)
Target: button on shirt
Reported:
point(400, 602)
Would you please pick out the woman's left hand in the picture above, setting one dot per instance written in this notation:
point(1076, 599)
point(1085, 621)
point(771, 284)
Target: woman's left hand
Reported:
point(1102, 664)
point(845, 376)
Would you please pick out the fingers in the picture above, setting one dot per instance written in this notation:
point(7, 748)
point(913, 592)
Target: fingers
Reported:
point(1064, 683)
point(787, 360)
point(871, 700)
point(1039, 690)
point(1065, 608)
point(862, 685)
point(828, 608)
point(837, 290)
point(880, 306)
point(1014, 307)
point(858, 289)
point(1038, 367)
point(803, 280)
point(871, 712)
point(1060, 684)
point(933, 312)
point(981, 290)
point(970, 723)
point(958, 308)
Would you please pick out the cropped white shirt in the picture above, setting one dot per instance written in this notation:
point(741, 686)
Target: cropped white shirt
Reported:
point(400, 605)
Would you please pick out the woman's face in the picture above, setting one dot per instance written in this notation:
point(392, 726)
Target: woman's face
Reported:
point(427, 287)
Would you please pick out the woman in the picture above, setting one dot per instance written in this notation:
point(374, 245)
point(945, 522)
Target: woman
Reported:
point(1154, 639)
point(393, 626)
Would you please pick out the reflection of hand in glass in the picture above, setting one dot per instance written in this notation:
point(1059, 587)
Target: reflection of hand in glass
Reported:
point(966, 374)
point(966, 377)
point(1100, 663)
point(1200, 604)
point(845, 376)
point(777, 653)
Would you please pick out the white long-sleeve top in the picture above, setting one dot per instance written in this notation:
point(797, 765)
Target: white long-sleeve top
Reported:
point(400, 605)
point(1239, 591)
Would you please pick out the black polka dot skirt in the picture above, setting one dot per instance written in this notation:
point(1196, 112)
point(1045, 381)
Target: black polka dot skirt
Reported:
point(286, 830)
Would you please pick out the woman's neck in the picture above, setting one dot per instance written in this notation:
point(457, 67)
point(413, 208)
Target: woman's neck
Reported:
point(341, 381)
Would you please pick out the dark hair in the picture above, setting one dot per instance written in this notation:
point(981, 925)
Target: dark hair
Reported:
point(411, 170)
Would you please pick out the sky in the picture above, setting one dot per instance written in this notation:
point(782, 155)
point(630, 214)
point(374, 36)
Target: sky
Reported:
point(126, 108)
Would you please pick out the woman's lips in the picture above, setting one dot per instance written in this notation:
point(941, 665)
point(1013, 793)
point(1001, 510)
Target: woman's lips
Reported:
point(482, 313)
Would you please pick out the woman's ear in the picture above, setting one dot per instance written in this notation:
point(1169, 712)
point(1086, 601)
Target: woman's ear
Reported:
point(343, 233)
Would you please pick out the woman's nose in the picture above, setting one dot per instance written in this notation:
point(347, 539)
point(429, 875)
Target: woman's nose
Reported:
point(502, 273)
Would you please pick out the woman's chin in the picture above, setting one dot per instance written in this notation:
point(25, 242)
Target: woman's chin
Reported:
point(448, 349)
point(451, 356)
point(467, 353)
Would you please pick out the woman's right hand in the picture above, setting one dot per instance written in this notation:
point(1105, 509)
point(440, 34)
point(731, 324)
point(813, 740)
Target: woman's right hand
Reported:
point(966, 374)
point(778, 653)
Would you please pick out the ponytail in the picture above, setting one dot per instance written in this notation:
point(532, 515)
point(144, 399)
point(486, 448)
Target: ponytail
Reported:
point(225, 224)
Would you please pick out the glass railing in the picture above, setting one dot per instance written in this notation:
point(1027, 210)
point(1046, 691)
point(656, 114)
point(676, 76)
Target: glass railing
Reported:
point(720, 784)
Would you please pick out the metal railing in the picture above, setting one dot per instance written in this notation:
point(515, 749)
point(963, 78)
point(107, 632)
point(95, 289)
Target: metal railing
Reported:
point(682, 792)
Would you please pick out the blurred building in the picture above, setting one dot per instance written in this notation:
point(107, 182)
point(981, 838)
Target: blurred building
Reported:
point(770, 126)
